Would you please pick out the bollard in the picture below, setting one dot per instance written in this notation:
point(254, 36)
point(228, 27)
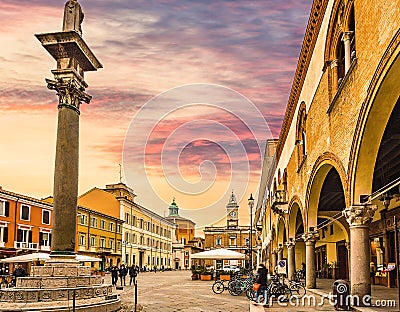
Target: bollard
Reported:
point(135, 295)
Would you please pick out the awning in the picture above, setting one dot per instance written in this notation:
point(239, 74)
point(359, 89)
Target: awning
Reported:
point(218, 254)
point(41, 256)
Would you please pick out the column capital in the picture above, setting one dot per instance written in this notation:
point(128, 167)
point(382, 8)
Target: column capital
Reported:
point(290, 244)
point(278, 249)
point(347, 35)
point(310, 237)
point(334, 63)
point(359, 215)
point(70, 93)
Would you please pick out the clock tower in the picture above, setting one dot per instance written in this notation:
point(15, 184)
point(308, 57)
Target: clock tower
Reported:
point(232, 212)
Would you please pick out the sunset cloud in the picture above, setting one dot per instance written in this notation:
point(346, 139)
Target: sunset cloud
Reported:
point(148, 47)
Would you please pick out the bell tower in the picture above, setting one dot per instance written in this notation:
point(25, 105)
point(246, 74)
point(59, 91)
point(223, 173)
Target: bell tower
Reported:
point(232, 212)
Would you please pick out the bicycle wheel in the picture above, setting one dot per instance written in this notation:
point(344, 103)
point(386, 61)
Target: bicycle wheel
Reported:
point(218, 287)
point(234, 288)
point(251, 294)
point(286, 294)
point(298, 290)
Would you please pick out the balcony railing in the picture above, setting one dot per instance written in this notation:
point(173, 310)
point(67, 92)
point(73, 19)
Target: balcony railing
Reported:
point(279, 202)
point(45, 248)
point(25, 245)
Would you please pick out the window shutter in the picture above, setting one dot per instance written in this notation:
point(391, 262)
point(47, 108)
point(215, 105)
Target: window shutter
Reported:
point(40, 238)
point(50, 239)
point(7, 209)
point(5, 235)
point(19, 235)
point(30, 236)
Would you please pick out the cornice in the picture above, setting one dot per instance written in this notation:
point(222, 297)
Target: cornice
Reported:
point(313, 27)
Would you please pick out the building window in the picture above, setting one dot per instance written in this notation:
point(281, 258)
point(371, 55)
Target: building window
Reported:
point(134, 239)
point(4, 208)
point(118, 228)
point(111, 243)
point(82, 240)
point(331, 229)
point(24, 235)
point(102, 224)
point(93, 222)
point(247, 241)
point(127, 218)
point(25, 212)
point(134, 221)
point(44, 239)
point(232, 241)
point(111, 226)
point(126, 236)
point(218, 241)
point(93, 241)
point(102, 242)
point(46, 216)
point(118, 245)
point(4, 234)
point(82, 219)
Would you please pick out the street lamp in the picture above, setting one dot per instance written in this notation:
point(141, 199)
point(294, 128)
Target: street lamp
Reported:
point(251, 204)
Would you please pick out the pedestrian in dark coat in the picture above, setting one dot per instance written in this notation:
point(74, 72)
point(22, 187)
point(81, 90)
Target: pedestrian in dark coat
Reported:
point(122, 273)
point(132, 275)
point(114, 275)
point(262, 279)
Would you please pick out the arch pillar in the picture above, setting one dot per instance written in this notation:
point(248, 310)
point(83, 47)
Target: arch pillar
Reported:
point(359, 218)
point(310, 238)
point(291, 259)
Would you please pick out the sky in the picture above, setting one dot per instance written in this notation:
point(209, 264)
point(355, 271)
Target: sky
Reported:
point(189, 93)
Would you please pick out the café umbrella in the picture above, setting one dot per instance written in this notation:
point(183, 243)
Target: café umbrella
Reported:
point(42, 256)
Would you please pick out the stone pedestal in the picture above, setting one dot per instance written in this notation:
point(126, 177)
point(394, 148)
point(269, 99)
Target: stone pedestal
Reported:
point(310, 238)
point(359, 218)
point(291, 259)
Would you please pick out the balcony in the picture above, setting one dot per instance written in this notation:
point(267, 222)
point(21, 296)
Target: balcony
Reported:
point(45, 248)
point(104, 250)
point(279, 202)
point(25, 245)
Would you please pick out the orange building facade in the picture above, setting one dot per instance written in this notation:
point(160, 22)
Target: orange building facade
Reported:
point(25, 225)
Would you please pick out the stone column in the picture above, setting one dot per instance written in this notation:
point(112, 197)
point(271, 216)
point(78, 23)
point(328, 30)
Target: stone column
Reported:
point(274, 260)
point(310, 238)
point(346, 38)
point(66, 165)
point(359, 218)
point(279, 252)
point(291, 259)
point(335, 78)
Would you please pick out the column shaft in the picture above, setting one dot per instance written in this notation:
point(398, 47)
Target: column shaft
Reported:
point(66, 181)
point(310, 265)
point(359, 260)
point(347, 53)
point(291, 263)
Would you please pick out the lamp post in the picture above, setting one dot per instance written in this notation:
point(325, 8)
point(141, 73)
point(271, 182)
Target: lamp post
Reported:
point(251, 204)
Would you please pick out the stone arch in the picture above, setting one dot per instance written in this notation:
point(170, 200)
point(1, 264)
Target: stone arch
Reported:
point(383, 94)
point(295, 207)
point(321, 168)
point(282, 232)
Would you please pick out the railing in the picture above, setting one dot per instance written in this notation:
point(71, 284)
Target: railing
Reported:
point(45, 248)
point(279, 202)
point(25, 245)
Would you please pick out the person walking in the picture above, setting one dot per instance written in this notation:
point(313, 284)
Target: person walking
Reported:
point(122, 273)
point(132, 275)
point(114, 275)
point(262, 279)
point(18, 272)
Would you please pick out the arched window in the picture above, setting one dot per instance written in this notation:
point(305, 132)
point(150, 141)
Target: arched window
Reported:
point(301, 134)
point(341, 43)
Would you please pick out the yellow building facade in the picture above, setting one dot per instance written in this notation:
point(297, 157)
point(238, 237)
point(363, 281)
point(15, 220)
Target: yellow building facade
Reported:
point(330, 192)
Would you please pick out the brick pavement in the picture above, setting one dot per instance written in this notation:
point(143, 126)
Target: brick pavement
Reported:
point(172, 291)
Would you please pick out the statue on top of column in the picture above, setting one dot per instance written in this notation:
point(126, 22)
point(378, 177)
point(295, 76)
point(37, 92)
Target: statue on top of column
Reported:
point(73, 16)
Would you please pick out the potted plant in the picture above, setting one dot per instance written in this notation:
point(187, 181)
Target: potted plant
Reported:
point(205, 275)
point(224, 275)
point(195, 273)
